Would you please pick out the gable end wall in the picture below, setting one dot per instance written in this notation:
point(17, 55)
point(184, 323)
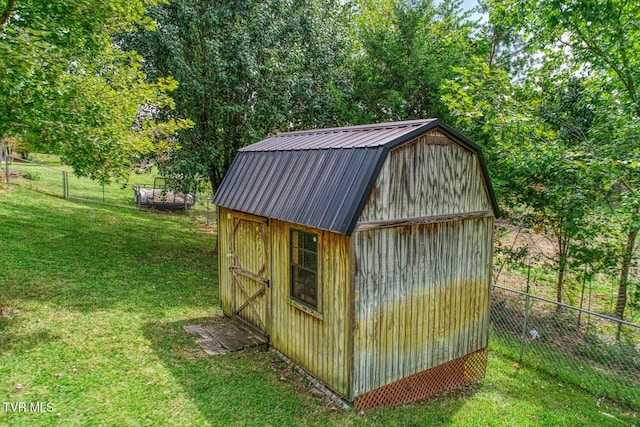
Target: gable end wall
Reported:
point(429, 176)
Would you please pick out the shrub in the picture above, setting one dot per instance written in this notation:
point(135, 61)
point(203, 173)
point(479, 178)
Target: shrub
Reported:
point(33, 176)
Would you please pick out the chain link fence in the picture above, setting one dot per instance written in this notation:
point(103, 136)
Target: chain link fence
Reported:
point(595, 352)
point(61, 182)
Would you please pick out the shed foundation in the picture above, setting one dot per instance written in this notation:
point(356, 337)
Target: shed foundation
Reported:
point(462, 371)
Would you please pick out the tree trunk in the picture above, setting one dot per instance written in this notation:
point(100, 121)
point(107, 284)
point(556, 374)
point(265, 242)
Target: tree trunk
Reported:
point(562, 269)
point(212, 181)
point(6, 13)
point(621, 302)
point(563, 261)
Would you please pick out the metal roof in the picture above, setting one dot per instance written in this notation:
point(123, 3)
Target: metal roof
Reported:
point(320, 178)
point(364, 136)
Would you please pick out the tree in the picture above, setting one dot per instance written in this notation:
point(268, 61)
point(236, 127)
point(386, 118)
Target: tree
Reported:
point(532, 124)
point(406, 50)
point(600, 39)
point(245, 69)
point(68, 89)
point(566, 42)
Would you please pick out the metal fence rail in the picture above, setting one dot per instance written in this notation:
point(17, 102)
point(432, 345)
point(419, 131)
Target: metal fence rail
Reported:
point(44, 178)
point(57, 181)
point(595, 352)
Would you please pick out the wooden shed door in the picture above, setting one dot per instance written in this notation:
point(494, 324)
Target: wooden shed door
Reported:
point(250, 269)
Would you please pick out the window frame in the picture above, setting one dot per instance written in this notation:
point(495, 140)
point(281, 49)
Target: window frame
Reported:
point(294, 300)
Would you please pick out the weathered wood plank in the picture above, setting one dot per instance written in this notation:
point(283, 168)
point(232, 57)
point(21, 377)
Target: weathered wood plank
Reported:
point(422, 245)
point(233, 335)
point(422, 179)
point(249, 217)
point(249, 259)
point(224, 261)
point(249, 300)
point(426, 279)
point(318, 343)
point(249, 275)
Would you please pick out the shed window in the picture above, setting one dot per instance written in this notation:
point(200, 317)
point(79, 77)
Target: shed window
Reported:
point(304, 268)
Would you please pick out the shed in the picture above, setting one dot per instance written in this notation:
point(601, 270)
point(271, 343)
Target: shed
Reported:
point(364, 254)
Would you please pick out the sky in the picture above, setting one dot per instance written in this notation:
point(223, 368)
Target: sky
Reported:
point(468, 4)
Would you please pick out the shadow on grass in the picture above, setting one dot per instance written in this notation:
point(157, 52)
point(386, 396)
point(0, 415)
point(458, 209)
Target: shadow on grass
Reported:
point(243, 388)
point(12, 341)
point(84, 257)
point(258, 388)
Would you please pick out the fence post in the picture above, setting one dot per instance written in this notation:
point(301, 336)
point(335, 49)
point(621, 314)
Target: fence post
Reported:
point(207, 200)
point(589, 308)
point(526, 314)
point(584, 282)
point(65, 195)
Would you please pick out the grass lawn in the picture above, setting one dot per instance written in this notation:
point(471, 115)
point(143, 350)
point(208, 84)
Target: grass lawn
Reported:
point(46, 177)
point(92, 304)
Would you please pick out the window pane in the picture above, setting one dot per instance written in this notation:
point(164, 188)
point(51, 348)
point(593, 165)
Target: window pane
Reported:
point(310, 242)
point(304, 267)
point(305, 288)
point(310, 260)
point(297, 289)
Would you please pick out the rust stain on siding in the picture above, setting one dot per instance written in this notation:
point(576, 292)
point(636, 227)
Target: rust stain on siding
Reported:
point(422, 298)
point(458, 307)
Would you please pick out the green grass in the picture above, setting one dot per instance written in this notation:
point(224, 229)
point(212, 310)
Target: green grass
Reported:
point(47, 159)
point(92, 304)
point(49, 180)
point(569, 368)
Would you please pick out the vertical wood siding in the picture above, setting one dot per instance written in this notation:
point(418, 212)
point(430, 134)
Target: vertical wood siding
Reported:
point(431, 176)
point(317, 343)
point(245, 245)
point(394, 301)
point(250, 244)
point(421, 290)
point(421, 298)
point(224, 261)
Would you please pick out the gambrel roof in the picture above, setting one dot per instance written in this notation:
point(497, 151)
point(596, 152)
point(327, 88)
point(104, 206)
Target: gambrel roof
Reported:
point(322, 178)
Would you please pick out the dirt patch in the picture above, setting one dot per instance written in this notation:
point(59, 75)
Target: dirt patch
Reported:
point(12, 175)
point(304, 382)
point(516, 237)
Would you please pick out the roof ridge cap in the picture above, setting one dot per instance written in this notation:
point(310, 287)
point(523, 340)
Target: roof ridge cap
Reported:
point(353, 128)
